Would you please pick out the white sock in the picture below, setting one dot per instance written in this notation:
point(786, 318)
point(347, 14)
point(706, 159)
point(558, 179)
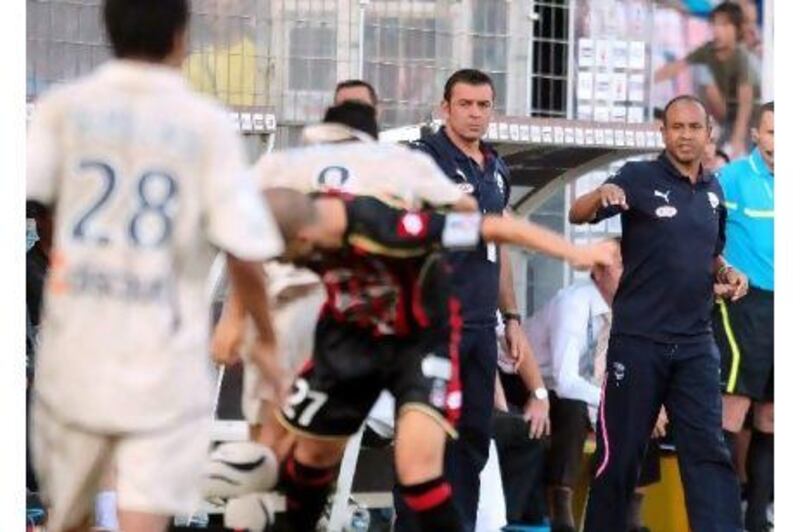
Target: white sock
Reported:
point(105, 510)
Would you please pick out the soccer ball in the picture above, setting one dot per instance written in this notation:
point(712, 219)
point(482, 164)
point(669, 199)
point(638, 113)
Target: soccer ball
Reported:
point(239, 468)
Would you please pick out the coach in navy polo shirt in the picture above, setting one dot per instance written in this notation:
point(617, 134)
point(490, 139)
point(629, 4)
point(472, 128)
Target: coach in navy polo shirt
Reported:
point(482, 281)
point(661, 349)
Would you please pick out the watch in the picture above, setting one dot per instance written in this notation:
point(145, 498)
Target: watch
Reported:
point(540, 393)
point(508, 316)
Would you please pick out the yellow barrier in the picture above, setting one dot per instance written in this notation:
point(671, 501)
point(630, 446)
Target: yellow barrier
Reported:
point(663, 509)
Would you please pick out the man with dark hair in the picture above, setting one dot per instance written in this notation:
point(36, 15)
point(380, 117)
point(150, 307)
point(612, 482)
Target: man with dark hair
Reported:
point(731, 92)
point(661, 350)
point(469, 76)
point(482, 278)
point(356, 90)
point(357, 115)
point(146, 33)
point(745, 329)
point(143, 178)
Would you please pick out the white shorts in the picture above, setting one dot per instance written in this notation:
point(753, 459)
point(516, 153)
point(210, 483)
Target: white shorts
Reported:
point(294, 322)
point(157, 472)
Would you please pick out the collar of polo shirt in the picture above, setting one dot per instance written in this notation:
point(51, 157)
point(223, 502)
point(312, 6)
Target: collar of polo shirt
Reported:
point(757, 162)
point(488, 152)
point(664, 160)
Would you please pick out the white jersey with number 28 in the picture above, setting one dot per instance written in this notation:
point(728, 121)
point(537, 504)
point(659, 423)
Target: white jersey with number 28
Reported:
point(144, 178)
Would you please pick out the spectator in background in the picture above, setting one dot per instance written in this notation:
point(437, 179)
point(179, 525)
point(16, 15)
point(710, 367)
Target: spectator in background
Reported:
point(570, 336)
point(728, 88)
point(518, 430)
point(744, 329)
point(751, 33)
point(355, 90)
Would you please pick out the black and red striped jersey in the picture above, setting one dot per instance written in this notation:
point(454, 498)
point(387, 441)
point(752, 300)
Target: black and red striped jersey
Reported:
point(391, 277)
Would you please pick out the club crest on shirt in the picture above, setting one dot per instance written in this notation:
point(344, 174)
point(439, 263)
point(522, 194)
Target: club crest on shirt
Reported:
point(713, 199)
point(466, 188)
point(501, 183)
point(618, 372)
point(666, 211)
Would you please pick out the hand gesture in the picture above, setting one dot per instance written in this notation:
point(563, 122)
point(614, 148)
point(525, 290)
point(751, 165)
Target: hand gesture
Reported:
point(611, 194)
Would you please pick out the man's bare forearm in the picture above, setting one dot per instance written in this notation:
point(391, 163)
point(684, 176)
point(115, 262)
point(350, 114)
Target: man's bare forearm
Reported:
point(508, 230)
point(745, 108)
point(529, 372)
point(715, 102)
point(233, 307)
point(670, 70)
point(507, 299)
point(248, 287)
point(585, 207)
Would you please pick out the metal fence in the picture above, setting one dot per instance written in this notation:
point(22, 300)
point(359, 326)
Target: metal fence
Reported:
point(286, 55)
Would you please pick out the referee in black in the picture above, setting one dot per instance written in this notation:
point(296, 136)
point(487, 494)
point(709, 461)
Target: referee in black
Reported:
point(661, 349)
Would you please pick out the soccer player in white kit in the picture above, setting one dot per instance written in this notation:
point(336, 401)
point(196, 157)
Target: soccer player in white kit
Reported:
point(143, 178)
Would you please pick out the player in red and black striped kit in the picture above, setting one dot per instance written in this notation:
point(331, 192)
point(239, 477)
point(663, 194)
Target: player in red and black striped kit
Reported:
point(389, 322)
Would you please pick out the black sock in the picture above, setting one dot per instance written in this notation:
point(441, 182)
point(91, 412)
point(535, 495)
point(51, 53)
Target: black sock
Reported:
point(760, 477)
point(730, 441)
point(306, 489)
point(635, 511)
point(432, 504)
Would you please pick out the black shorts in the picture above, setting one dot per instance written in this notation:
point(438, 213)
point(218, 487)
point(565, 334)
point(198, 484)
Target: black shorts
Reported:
point(335, 391)
point(744, 332)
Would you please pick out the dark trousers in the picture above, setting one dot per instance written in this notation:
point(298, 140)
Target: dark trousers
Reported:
point(569, 428)
point(521, 467)
point(466, 456)
point(642, 375)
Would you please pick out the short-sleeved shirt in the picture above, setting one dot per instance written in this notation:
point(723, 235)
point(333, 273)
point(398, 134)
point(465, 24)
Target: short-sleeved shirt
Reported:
point(144, 178)
point(476, 274)
point(386, 171)
point(728, 75)
point(671, 234)
point(749, 187)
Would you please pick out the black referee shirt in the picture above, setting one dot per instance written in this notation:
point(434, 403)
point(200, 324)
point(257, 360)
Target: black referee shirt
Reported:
point(671, 233)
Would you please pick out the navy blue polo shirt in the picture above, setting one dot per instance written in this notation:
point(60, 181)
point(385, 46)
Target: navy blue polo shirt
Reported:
point(671, 234)
point(476, 273)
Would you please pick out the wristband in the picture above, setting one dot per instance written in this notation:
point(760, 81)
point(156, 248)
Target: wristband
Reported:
point(508, 316)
